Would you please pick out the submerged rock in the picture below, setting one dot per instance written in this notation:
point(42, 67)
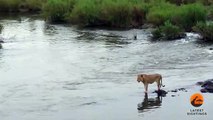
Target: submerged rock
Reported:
point(174, 90)
point(199, 83)
point(207, 86)
point(1, 40)
point(182, 89)
point(179, 89)
point(161, 92)
point(203, 90)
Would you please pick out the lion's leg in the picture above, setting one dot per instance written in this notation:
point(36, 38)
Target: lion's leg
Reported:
point(158, 84)
point(146, 87)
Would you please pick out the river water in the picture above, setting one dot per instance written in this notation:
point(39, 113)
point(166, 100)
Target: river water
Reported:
point(60, 72)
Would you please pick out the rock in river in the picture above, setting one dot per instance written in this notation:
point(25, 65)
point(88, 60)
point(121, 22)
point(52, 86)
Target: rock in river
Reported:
point(207, 86)
point(1, 40)
point(161, 92)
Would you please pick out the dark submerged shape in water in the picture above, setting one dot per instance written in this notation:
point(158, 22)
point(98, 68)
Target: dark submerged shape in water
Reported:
point(1, 41)
point(207, 86)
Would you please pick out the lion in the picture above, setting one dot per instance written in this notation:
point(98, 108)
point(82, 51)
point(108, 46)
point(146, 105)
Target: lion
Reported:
point(149, 79)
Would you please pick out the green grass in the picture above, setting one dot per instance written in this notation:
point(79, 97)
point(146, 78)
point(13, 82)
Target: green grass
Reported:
point(16, 5)
point(161, 12)
point(85, 12)
point(117, 13)
point(188, 15)
point(179, 2)
point(205, 30)
point(181, 18)
point(168, 31)
point(57, 10)
point(184, 16)
point(113, 13)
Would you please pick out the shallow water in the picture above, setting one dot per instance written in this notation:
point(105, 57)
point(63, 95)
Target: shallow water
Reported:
point(59, 72)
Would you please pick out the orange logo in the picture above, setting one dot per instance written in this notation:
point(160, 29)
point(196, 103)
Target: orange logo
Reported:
point(197, 100)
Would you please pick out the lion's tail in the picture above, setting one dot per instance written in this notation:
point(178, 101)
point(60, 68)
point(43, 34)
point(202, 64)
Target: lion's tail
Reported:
point(162, 82)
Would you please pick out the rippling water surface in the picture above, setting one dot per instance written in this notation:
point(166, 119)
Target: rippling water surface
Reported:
point(59, 72)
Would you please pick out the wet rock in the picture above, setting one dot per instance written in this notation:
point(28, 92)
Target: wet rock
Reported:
point(160, 92)
point(203, 91)
point(179, 89)
point(174, 90)
point(173, 95)
point(207, 83)
point(199, 83)
point(182, 89)
point(207, 86)
point(1, 40)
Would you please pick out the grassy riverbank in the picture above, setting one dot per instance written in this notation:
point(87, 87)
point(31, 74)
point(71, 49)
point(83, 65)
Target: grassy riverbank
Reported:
point(182, 14)
point(21, 5)
point(125, 13)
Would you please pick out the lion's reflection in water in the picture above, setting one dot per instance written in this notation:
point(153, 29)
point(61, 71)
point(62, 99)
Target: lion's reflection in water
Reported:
point(149, 103)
